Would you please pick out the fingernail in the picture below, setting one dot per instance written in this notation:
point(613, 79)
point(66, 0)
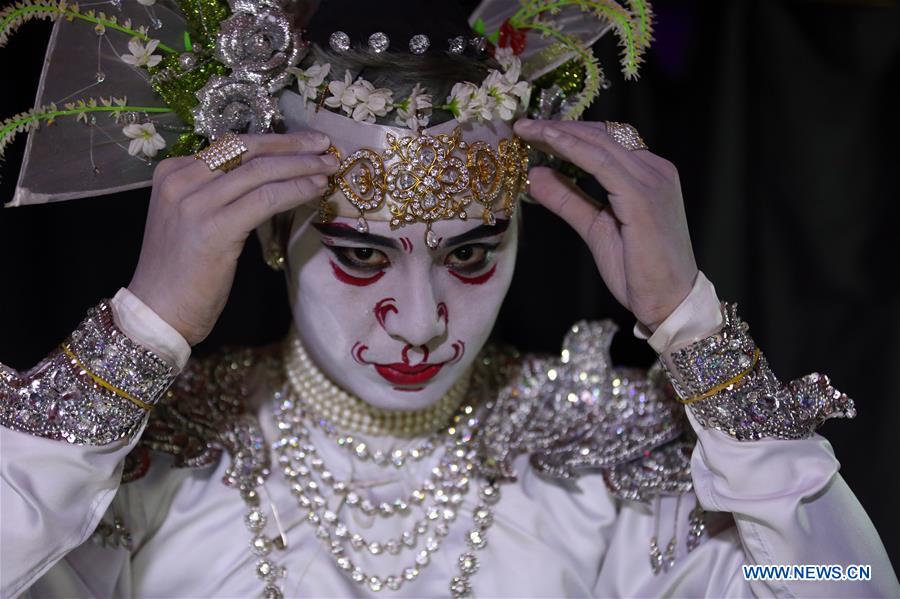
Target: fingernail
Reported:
point(319, 180)
point(525, 124)
point(330, 160)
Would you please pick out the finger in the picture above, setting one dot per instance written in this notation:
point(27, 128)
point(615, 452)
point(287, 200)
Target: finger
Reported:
point(656, 162)
point(595, 133)
point(557, 194)
point(588, 131)
point(261, 171)
point(195, 173)
point(595, 159)
point(596, 225)
point(254, 208)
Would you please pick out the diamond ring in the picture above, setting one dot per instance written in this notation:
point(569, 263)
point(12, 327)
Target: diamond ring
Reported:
point(224, 154)
point(625, 135)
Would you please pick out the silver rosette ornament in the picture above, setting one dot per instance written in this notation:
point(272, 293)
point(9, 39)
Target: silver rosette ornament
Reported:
point(258, 44)
point(227, 104)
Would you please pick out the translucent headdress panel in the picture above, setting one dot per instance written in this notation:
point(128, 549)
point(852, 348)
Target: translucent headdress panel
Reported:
point(75, 156)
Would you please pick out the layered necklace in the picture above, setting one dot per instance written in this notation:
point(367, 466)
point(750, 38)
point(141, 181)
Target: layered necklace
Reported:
point(309, 399)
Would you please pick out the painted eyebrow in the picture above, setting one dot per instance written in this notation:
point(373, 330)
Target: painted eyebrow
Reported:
point(345, 231)
point(479, 232)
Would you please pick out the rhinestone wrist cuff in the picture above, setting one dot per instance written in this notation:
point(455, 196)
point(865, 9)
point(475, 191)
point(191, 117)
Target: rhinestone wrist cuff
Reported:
point(727, 384)
point(94, 389)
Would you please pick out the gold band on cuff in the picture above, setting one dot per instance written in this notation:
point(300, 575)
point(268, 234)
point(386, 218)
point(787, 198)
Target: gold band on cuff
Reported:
point(722, 386)
point(141, 404)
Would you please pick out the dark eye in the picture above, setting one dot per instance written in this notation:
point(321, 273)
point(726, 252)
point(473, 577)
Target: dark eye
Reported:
point(469, 258)
point(362, 258)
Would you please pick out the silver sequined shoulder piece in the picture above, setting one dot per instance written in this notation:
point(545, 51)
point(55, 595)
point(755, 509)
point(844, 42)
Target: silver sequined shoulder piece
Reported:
point(206, 412)
point(577, 412)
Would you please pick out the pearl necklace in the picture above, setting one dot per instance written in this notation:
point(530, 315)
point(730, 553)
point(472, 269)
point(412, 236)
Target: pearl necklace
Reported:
point(344, 411)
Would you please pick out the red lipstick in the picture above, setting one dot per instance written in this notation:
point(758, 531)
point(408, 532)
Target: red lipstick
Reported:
point(404, 374)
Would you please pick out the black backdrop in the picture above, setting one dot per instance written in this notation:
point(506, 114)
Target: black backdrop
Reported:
point(783, 121)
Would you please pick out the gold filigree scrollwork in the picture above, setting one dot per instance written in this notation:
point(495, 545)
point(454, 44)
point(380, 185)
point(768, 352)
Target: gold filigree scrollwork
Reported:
point(361, 179)
point(426, 178)
point(327, 211)
point(514, 160)
point(486, 176)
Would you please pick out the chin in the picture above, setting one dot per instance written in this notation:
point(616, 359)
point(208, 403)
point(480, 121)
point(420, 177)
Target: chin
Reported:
point(388, 395)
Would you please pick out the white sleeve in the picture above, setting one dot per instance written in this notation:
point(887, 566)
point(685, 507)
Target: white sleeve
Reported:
point(697, 316)
point(791, 507)
point(146, 328)
point(789, 502)
point(54, 493)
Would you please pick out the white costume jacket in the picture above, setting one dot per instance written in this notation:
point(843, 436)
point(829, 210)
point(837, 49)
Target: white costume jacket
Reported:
point(576, 516)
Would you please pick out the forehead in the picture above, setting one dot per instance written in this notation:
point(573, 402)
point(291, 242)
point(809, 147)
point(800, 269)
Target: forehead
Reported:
point(450, 232)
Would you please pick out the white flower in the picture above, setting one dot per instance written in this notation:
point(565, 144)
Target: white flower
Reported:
point(481, 106)
point(141, 55)
point(342, 94)
point(460, 99)
point(522, 90)
point(309, 81)
point(505, 95)
point(415, 111)
point(144, 139)
point(507, 59)
point(147, 2)
point(359, 99)
point(371, 102)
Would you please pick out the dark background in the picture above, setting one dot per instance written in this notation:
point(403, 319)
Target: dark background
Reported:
point(783, 120)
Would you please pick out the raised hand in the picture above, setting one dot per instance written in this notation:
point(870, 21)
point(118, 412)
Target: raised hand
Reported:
point(640, 242)
point(199, 220)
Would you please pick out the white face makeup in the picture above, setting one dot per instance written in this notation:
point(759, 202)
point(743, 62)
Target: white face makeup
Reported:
point(390, 320)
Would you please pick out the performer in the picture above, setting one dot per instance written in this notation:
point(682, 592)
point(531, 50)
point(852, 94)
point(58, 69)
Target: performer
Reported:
point(386, 446)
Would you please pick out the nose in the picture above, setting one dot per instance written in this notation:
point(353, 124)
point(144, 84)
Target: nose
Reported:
point(418, 319)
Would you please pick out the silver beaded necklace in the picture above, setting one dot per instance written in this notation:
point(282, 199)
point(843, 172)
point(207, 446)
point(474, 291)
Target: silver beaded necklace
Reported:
point(309, 479)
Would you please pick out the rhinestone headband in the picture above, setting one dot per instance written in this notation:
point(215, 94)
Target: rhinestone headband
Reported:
point(425, 178)
point(446, 172)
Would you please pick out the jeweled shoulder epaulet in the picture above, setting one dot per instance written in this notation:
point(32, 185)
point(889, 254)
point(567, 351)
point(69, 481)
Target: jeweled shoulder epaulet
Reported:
point(206, 412)
point(576, 413)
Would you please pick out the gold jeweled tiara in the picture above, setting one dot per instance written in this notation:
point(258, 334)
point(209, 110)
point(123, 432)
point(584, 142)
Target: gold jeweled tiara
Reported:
point(425, 178)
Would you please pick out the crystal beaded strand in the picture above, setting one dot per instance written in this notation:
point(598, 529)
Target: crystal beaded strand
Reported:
point(449, 482)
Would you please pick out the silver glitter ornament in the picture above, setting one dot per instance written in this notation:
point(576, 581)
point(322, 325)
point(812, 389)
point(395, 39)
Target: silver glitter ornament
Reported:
point(456, 45)
point(419, 43)
point(379, 42)
point(187, 61)
point(259, 45)
point(479, 44)
point(339, 41)
point(230, 105)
